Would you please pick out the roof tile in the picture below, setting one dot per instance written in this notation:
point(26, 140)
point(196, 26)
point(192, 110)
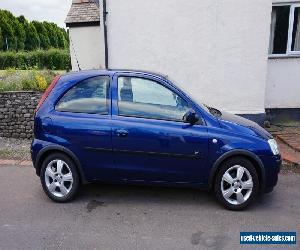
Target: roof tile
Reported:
point(82, 12)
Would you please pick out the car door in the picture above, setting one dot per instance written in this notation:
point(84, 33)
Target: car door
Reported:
point(151, 142)
point(82, 120)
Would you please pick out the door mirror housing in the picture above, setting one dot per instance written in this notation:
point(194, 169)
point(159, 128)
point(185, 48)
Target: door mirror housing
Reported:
point(191, 117)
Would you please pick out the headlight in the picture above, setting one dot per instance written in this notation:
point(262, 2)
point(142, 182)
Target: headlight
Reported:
point(274, 146)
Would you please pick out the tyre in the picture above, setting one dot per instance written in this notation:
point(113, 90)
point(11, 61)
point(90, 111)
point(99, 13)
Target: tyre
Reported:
point(236, 184)
point(59, 177)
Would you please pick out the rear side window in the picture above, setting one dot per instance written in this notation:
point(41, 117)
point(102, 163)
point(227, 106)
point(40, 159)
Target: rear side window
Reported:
point(88, 96)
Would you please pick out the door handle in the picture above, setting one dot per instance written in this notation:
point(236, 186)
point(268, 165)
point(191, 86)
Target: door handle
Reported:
point(122, 133)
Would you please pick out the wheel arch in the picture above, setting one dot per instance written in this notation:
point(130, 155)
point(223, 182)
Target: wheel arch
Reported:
point(254, 159)
point(58, 149)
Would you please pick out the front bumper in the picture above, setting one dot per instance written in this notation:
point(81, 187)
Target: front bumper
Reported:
point(272, 166)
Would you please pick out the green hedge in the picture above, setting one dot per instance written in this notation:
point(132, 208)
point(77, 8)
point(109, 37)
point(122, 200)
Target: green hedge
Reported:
point(53, 59)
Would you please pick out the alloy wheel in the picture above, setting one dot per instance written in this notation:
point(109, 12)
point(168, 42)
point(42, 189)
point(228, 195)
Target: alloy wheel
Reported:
point(58, 178)
point(236, 185)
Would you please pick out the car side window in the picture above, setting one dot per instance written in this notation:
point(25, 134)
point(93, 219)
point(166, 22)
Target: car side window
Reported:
point(88, 96)
point(139, 97)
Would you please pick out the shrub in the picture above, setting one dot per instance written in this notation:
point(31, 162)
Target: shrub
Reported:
point(41, 81)
point(15, 80)
point(52, 59)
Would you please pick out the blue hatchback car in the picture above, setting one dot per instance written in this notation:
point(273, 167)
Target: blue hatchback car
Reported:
point(135, 127)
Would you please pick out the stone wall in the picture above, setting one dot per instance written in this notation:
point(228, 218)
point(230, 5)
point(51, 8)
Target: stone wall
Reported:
point(17, 113)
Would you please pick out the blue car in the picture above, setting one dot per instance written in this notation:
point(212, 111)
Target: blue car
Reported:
point(136, 127)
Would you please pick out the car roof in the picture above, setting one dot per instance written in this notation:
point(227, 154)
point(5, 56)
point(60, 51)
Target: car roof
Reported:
point(110, 72)
point(145, 72)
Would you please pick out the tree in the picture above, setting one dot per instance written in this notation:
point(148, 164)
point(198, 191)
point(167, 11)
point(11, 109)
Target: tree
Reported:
point(18, 32)
point(7, 32)
point(8, 35)
point(51, 34)
point(15, 34)
point(21, 34)
point(62, 43)
point(32, 41)
point(21, 23)
point(43, 35)
point(22, 19)
point(1, 39)
point(66, 34)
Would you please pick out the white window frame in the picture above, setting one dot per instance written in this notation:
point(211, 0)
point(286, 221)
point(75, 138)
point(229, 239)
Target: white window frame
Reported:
point(289, 51)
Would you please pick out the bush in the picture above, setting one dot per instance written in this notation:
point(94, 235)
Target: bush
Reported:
point(16, 80)
point(53, 59)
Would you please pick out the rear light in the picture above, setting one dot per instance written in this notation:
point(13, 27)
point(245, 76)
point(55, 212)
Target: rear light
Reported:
point(47, 92)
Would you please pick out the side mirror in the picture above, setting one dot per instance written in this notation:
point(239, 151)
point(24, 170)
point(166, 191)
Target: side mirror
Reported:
point(191, 117)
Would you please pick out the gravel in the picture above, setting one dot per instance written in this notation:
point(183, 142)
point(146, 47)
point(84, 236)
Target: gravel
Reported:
point(16, 149)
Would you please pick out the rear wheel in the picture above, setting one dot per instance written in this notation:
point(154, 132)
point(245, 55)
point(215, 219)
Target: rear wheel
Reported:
point(59, 177)
point(236, 184)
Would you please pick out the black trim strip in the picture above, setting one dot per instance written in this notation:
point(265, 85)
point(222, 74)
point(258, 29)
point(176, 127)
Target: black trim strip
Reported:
point(157, 153)
point(99, 149)
point(124, 151)
point(83, 24)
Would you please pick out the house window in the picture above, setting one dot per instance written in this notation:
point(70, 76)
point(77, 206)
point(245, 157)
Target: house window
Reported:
point(285, 30)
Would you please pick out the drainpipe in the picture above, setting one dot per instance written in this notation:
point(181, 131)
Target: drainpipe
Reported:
point(105, 33)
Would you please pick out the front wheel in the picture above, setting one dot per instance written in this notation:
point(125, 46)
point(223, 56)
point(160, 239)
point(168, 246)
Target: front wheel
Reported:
point(59, 177)
point(236, 184)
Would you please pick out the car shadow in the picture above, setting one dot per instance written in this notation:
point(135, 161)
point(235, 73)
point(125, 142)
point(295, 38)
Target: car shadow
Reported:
point(144, 194)
point(105, 194)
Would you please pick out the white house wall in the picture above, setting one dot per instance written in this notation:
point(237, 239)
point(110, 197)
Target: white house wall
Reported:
point(87, 46)
point(283, 83)
point(283, 80)
point(215, 49)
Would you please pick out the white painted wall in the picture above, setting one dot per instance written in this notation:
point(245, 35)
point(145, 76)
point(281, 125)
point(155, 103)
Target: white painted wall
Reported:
point(216, 49)
point(283, 79)
point(283, 83)
point(87, 45)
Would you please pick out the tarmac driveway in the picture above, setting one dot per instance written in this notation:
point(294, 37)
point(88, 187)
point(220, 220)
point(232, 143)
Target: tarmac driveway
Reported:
point(122, 217)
